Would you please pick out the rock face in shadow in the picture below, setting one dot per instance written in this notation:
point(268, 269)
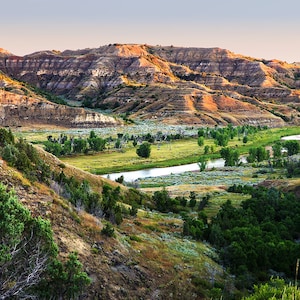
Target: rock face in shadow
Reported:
point(176, 85)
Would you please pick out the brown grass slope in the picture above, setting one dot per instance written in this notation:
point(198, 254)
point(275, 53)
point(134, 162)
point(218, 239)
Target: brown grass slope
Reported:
point(174, 84)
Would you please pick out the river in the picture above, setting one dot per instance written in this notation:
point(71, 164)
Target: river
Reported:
point(291, 138)
point(155, 172)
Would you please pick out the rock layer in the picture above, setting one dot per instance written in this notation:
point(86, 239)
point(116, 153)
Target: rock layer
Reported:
point(177, 85)
point(21, 107)
point(19, 110)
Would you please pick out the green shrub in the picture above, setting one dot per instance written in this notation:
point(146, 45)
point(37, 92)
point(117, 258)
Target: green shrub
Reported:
point(144, 150)
point(108, 230)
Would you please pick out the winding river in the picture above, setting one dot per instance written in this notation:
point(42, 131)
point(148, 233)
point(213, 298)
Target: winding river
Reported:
point(155, 172)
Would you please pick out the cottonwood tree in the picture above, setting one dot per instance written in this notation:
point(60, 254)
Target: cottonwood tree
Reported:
point(200, 141)
point(202, 163)
point(258, 154)
point(230, 156)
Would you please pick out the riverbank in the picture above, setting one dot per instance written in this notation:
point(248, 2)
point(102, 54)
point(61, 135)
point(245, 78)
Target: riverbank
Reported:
point(159, 172)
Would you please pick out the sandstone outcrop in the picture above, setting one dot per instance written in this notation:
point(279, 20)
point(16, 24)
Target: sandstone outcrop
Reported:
point(178, 85)
point(21, 107)
point(18, 110)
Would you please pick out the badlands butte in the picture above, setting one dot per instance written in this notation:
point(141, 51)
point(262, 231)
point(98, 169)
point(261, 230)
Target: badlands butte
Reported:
point(205, 86)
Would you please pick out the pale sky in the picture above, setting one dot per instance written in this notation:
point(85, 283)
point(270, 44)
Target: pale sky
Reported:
point(259, 28)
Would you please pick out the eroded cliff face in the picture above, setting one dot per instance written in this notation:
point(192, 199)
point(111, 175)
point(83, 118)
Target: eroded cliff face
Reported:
point(21, 107)
point(176, 85)
point(20, 110)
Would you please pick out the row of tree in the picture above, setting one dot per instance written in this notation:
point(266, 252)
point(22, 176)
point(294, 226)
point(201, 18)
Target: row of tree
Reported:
point(259, 154)
point(65, 146)
point(222, 135)
point(163, 202)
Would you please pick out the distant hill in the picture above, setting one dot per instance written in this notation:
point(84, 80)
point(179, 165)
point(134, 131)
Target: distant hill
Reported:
point(207, 86)
point(22, 106)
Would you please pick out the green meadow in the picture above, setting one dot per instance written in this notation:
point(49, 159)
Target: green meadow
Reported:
point(166, 154)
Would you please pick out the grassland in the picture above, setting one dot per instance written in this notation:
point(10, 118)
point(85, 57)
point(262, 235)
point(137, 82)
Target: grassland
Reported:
point(163, 155)
point(177, 152)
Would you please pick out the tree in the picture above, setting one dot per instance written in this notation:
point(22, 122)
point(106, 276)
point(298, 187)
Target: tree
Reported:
point(245, 139)
point(293, 168)
point(252, 155)
point(54, 148)
point(230, 156)
point(222, 139)
point(144, 150)
point(64, 280)
point(96, 143)
point(120, 179)
point(257, 154)
point(193, 200)
point(200, 141)
point(6, 137)
point(10, 154)
point(26, 246)
point(206, 149)
point(277, 150)
point(201, 132)
point(92, 134)
point(79, 145)
point(162, 200)
point(202, 163)
point(182, 201)
point(193, 227)
point(110, 209)
point(293, 147)
point(261, 154)
point(118, 144)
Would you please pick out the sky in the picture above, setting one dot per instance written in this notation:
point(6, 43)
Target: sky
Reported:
point(265, 29)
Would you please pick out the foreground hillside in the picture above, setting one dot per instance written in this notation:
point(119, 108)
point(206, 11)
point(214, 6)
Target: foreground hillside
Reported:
point(145, 258)
point(176, 85)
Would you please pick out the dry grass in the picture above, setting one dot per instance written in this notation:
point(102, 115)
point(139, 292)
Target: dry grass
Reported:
point(90, 222)
point(16, 175)
point(185, 189)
